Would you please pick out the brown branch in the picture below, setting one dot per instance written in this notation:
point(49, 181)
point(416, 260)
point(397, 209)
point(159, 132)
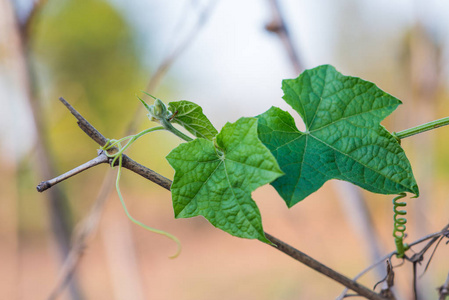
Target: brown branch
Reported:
point(143, 171)
point(319, 267)
point(100, 159)
point(146, 173)
point(94, 134)
point(91, 131)
point(418, 257)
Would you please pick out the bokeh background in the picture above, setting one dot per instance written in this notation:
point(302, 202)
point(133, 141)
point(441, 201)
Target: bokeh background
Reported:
point(100, 54)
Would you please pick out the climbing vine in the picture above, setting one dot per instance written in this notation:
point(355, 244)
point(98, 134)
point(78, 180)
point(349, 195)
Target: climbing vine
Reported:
point(216, 171)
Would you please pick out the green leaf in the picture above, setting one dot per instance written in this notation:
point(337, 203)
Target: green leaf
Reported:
point(215, 178)
point(190, 116)
point(343, 138)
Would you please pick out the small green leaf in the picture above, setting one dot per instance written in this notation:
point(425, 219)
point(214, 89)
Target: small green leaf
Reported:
point(343, 138)
point(190, 116)
point(215, 178)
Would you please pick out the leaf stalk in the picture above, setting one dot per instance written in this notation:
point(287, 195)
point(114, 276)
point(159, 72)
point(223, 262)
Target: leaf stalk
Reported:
point(421, 128)
point(169, 127)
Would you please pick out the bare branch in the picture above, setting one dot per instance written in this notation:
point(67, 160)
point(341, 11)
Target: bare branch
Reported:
point(100, 159)
point(319, 267)
point(418, 257)
point(94, 134)
point(137, 168)
point(146, 173)
point(91, 131)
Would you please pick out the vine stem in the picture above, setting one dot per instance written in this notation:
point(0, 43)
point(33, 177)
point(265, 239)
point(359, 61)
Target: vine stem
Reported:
point(169, 127)
point(421, 128)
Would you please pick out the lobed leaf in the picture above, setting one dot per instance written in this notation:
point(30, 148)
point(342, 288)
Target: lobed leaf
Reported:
point(343, 138)
point(215, 178)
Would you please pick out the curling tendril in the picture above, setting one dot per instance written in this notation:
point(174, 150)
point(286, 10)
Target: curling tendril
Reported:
point(399, 225)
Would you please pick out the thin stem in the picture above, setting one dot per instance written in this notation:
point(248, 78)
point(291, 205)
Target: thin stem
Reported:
point(169, 127)
point(422, 128)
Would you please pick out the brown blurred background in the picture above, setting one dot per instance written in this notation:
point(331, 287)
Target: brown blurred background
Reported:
point(100, 54)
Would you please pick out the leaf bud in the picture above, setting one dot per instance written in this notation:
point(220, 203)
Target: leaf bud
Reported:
point(158, 111)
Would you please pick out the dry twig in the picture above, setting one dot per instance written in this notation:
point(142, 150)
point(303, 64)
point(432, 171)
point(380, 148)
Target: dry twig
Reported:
point(433, 238)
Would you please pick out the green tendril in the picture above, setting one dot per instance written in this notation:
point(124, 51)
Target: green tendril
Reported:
point(399, 226)
point(164, 233)
point(119, 156)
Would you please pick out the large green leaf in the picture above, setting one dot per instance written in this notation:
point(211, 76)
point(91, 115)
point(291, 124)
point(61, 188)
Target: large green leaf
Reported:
point(343, 138)
point(215, 178)
point(190, 116)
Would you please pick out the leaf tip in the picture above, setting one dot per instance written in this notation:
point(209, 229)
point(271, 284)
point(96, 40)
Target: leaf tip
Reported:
point(144, 103)
point(415, 190)
point(265, 240)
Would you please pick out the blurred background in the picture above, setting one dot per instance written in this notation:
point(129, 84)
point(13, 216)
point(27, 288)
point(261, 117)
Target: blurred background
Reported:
point(100, 54)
